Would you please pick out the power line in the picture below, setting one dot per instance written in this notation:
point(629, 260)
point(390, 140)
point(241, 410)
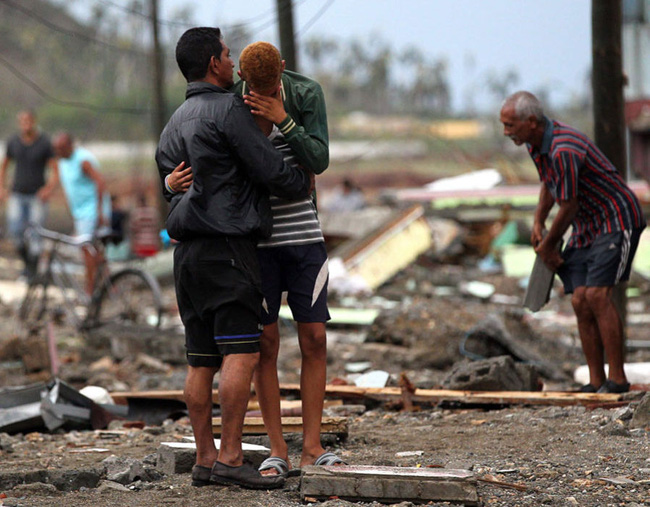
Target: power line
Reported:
point(135, 12)
point(71, 33)
point(66, 103)
point(315, 18)
point(182, 24)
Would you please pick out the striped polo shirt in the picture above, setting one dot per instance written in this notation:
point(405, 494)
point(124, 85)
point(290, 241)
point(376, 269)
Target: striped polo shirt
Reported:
point(295, 222)
point(570, 165)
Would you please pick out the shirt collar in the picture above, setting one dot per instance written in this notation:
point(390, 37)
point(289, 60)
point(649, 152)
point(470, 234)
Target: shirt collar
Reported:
point(547, 138)
point(198, 87)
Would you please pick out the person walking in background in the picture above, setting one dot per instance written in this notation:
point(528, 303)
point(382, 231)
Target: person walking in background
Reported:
point(144, 228)
point(31, 152)
point(348, 197)
point(607, 222)
point(88, 200)
point(217, 223)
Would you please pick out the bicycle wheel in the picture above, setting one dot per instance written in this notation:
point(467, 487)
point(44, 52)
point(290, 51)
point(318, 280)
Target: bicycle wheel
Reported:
point(129, 297)
point(34, 305)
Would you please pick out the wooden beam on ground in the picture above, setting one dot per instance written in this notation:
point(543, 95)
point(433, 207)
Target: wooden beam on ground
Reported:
point(388, 484)
point(435, 396)
point(255, 426)
point(424, 396)
point(122, 397)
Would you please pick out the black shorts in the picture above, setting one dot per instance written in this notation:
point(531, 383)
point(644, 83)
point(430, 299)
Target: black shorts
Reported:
point(301, 270)
point(606, 262)
point(219, 297)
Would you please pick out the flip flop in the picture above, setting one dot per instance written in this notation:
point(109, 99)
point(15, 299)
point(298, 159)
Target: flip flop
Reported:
point(329, 459)
point(275, 463)
point(246, 476)
point(280, 465)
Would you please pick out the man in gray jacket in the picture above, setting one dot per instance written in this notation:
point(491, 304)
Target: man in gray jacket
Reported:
point(217, 222)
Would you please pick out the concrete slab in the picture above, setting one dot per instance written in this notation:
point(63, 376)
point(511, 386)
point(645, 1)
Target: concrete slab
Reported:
point(389, 484)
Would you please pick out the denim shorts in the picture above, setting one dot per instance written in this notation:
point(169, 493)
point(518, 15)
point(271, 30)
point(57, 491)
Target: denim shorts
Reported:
point(23, 209)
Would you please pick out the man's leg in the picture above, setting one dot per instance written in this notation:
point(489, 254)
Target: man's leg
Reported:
point(590, 337)
point(91, 262)
point(37, 212)
point(610, 329)
point(198, 398)
point(267, 387)
point(234, 393)
point(17, 215)
point(313, 347)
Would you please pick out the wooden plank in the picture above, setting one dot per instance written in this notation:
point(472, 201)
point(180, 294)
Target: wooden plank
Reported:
point(388, 484)
point(255, 425)
point(122, 397)
point(385, 251)
point(387, 394)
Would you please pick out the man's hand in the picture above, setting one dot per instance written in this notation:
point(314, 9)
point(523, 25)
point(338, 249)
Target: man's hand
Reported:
point(312, 180)
point(549, 254)
point(44, 193)
point(270, 108)
point(3, 193)
point(180, 179)
point(537, 234)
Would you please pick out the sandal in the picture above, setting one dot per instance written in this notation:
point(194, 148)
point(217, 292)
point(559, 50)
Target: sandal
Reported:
point(275, 463)
point(201, 476)
point(612, 387)
point(246, 476)
point(329, 459)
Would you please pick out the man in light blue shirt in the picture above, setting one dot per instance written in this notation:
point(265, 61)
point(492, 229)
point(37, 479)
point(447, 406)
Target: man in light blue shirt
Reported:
point(85, 190)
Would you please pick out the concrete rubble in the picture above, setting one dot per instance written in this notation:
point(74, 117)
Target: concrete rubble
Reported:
point(440, 321)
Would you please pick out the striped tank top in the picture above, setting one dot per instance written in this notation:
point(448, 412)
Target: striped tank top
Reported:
point(295, 222)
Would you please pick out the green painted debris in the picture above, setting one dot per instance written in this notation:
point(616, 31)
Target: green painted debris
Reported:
point(342, 316)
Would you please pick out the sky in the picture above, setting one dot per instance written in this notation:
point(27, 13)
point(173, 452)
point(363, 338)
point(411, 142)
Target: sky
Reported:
point(548, 42)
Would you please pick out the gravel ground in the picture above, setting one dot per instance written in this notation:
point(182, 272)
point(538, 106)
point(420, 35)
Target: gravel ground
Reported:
point(548, 455)
point(552, 455)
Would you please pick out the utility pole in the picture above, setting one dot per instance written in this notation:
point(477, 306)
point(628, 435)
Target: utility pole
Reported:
point(287, 36)
point(608, 81)
point(158, 76)
point(609, 105)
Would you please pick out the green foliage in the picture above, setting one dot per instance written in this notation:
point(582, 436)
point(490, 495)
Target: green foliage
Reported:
point(91, 78)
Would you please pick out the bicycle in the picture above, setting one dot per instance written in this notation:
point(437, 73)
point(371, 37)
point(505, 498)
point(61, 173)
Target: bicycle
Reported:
point(128, 296)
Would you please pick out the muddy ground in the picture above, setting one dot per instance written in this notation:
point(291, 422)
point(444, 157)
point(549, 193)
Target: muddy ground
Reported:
point(549, 455)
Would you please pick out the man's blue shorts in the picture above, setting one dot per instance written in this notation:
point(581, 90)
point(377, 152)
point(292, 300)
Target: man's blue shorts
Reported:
point(604, 263)
point(300, 270)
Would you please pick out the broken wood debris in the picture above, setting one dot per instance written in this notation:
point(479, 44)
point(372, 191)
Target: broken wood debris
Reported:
point(388, 249)
point(424, 396)
point(491, 479)
point(434, 396)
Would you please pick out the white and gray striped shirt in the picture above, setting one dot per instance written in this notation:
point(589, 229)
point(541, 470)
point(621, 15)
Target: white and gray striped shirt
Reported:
point(295, 222)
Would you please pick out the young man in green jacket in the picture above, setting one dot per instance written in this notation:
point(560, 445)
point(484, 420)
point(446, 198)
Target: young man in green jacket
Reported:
point(290, 109)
